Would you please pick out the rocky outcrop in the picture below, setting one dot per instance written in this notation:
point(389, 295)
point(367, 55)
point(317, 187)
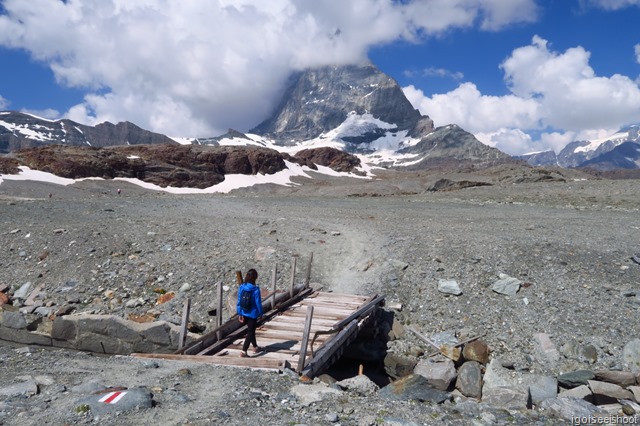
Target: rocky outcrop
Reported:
point(337, 160)
point(164, 165)
point(194, 166)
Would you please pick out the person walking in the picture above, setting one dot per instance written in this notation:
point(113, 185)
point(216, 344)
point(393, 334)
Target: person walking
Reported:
point(249, 310)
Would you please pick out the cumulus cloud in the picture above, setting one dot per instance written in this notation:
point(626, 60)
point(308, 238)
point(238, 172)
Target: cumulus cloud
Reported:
point(195, 68)
point(637, 50)
point(4, 103)
point(549, 90)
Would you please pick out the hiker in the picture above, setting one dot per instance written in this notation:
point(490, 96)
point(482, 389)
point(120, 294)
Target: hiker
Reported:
point(249, 309)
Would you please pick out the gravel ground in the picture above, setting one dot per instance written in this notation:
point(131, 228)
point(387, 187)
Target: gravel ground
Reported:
point(570, 243)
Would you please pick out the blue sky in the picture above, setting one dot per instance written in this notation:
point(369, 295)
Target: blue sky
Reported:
point(522, 75)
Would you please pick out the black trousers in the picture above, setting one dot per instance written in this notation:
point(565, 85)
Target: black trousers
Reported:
point(251, 333)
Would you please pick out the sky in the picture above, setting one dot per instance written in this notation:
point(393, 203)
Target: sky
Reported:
point(522, 75)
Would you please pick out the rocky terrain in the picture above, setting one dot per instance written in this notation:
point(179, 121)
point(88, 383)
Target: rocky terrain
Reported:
point(446, 257)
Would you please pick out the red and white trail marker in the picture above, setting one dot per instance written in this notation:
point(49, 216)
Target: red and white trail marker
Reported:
point(112, 397)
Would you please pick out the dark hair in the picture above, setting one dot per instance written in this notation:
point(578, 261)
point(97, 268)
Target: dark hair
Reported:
point(251, 276)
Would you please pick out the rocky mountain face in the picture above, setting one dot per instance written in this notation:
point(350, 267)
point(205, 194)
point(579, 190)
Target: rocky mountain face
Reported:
point(18, 131)
point(616, 152)
point(452, 144)
point(192, 166)
point(320, 100)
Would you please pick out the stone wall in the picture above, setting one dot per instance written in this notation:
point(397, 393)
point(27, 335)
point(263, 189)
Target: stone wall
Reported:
point(106, 334)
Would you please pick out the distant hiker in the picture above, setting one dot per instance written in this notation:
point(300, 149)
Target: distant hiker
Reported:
point(249, 309)
point(50, 195)
point(119, 191)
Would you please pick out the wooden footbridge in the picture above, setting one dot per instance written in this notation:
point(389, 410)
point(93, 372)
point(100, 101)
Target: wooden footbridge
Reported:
point(303, 329)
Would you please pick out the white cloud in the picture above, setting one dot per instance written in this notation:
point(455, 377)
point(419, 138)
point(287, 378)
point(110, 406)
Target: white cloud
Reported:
point(4, 103)
point(610, 4)
point(637, 50)
point(196, 68)
point(549, 90)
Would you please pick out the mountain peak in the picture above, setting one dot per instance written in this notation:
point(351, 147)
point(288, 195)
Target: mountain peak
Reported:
point(319, 100)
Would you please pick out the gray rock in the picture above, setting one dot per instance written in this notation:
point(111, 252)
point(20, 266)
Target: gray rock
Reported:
point(576, 378)
point(23, 389)
point(397, 366)
point(413, 388)
point(545, 349)
point(582, 392)
point(607, 393)
point(15, 320)
point(439, 374)
point(310, 394)
point(506, 285)
point(496, 376)
point(621, 378)
point(469, 381)
point(543, 388)
point(507, 397)
point(635, 390)
point(118, 401)
point(449, 287)
point(631, 355)
point(23, 291)
point(360, 385)
point(568, 408)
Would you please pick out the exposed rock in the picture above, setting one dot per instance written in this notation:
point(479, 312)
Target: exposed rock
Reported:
point(568, 408)
point(117, 400)
point(397, 366)
point(359, 384)
point(477, 350)
point(438, 374)
point(576, 378)
point(23, 389)
point(606, 393)
point(507, 397)
point(631, 355)
point(469, 381)
point(449, 287)
point(582, 392)
point(309, 394)
point(506, 285)
point(15, 320)
point(449, 185)
point(545, 348)
point(620, 378)
point(413, 387)
point(333, 158)
point(542, 388)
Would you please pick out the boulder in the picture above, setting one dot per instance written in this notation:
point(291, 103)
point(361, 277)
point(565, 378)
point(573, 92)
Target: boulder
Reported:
point(413, 388)
point(310, 394)
point(545, 349)
point(582, 392)
point(477, 350)
point(607, 393)
point(576, 378)
point(568, 408)
point(449, 287)
point(621, 378)
point(438, 374)
point(13, 319)
point(507, 397)
point(469, 381)
point(397, 366)
point(542, 388)
point(360, 385)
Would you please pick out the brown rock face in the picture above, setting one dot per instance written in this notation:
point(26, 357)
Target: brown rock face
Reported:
point(164, 165)
point(9, 166)
point(193, 166)
point(476, 351)
point(337, 160)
